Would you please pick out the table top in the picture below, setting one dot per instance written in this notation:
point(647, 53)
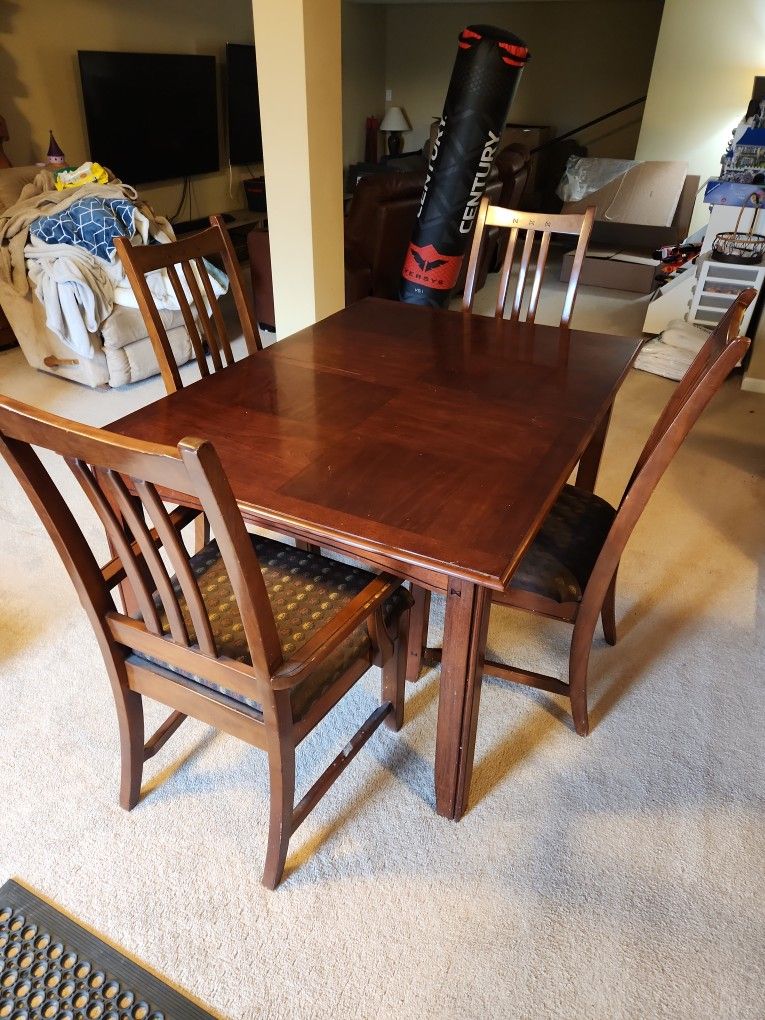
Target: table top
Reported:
point(428, 441)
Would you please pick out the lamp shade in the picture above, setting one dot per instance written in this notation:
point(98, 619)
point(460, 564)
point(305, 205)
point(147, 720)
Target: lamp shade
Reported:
point(395, 120)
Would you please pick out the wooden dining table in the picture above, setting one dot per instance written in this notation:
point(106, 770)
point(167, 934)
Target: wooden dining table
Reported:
point(425, 442)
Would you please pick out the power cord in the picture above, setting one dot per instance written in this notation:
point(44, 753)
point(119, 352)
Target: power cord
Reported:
point(184, 191)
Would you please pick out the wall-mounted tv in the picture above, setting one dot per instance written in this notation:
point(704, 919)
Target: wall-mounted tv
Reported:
point(151, 116)
point(245, 141)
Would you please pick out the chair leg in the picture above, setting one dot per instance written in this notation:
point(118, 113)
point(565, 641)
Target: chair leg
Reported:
point(281, 768)
point(394, 676)
point(130, 717)
point(608, 612)
point(579, 658)
point(418, 632)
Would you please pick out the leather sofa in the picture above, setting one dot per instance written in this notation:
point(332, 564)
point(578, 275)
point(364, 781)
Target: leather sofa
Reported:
point(378, 228)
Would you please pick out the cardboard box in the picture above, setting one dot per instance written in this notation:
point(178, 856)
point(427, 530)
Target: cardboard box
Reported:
point(633, 233)
point(620, 270)
point(647, 193)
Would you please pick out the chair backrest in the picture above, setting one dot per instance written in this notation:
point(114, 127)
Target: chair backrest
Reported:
point(725, 332)
point(199, 307)
point(706, 374)
point(542, 224)
point(121, 478)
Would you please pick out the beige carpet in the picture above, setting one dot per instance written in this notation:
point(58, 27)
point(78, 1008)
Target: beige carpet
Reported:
point(618, 876)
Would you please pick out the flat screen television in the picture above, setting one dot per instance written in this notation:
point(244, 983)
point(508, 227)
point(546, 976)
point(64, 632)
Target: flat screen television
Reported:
point(151, 116)
point(245, 141)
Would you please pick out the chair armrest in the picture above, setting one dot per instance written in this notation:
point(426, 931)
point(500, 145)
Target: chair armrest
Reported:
point(327, 638)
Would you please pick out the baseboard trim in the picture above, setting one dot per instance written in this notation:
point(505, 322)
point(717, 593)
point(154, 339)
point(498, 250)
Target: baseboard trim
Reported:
point(753, 385)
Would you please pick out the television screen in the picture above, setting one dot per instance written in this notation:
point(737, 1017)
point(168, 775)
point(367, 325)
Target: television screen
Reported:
point(245, 142)
point(151, 116)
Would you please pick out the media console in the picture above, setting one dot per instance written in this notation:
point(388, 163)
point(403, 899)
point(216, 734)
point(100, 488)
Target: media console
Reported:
point(239, 222)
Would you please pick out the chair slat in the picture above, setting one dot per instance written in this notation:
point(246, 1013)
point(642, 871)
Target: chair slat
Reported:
point(132, 510)
point(536, 287)
point(203, 316)
point(507, 267)
point(135, 567)
point(522, 272)
point(188, 319)
point(178, 557)
point(223, 342)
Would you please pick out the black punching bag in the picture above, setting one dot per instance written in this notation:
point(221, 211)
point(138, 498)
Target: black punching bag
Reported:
point(486, 73)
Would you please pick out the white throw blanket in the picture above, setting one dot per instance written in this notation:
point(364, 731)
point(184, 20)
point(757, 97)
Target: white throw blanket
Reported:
point(672, 351)
point(75, 290)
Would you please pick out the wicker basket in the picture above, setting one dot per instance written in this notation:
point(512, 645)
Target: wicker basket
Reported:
point(736, 246)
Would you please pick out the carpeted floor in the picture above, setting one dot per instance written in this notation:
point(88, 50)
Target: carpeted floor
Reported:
point(617, 876)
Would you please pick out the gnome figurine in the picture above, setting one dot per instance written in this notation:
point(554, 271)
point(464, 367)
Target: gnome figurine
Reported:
point(54, 157)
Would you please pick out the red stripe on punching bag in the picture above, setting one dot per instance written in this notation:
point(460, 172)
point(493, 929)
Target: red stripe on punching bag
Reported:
point(430, 268)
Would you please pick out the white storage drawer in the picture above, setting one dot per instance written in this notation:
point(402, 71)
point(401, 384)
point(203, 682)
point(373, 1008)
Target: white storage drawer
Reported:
point(717, 285)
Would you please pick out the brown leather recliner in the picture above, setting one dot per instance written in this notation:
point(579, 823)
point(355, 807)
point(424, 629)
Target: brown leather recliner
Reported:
point(378, 228)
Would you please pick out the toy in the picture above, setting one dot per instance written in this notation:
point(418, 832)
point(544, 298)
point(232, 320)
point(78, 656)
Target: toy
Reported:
point(54, 155)
point(75, 177)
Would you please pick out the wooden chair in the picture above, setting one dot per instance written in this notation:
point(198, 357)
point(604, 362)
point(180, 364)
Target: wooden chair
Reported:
point(545, 224)
point(569, 571)
point(201, 313)
point(252, 636)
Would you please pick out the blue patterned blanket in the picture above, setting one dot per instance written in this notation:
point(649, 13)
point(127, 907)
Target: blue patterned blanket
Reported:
point(91, 223)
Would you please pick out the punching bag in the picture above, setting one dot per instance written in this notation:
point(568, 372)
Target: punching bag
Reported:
point(486, 73)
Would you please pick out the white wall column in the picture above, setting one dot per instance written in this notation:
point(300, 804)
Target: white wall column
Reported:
point(299, 80)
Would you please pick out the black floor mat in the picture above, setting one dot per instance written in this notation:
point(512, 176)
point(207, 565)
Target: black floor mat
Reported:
point(51, 968)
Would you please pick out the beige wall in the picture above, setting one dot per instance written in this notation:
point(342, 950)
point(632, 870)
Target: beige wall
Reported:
point(706, 58)
point(587, 58)
point(39, 78)
point(363, 73)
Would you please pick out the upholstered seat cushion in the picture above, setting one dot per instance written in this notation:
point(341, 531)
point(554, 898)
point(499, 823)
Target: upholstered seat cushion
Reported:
point(561, 558)
point(306, 590)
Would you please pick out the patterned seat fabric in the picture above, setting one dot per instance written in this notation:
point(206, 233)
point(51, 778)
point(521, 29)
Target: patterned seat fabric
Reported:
point(561, 558)
point(306, 590)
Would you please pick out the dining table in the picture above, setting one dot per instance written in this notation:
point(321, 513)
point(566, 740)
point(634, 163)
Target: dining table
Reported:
point(425, 442)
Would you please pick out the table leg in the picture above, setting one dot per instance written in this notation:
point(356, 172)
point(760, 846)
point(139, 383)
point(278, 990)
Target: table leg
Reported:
point(587, 474)
point(418, 632)
point(466, 625)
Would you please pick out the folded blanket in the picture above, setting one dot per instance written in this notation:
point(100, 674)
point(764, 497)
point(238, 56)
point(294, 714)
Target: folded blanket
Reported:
point(91, 223)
